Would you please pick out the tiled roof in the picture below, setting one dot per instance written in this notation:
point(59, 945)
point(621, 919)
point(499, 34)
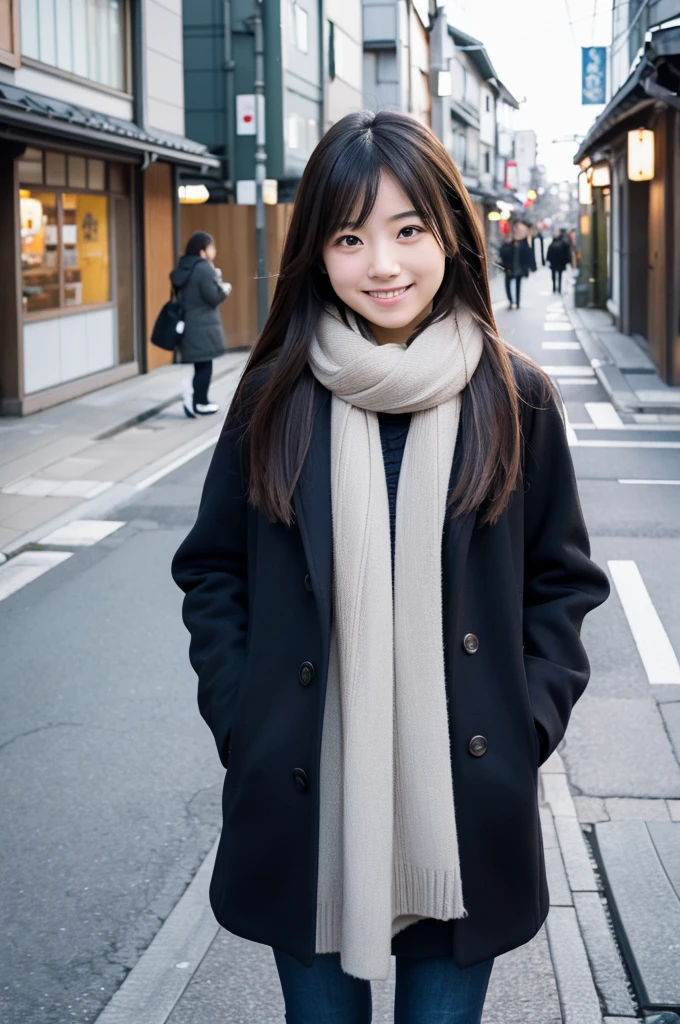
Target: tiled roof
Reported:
point(56, 117)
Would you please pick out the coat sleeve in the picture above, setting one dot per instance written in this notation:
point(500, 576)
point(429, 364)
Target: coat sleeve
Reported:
point(561, 583)
point(210, 567)
point(210, 288)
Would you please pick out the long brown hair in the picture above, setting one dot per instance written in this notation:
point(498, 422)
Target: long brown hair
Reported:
point(277, 389)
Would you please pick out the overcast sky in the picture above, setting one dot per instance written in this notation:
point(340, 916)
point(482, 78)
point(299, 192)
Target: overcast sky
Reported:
point(537, 54)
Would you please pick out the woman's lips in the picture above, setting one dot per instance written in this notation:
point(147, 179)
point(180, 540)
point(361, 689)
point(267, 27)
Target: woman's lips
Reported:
point(388, 296)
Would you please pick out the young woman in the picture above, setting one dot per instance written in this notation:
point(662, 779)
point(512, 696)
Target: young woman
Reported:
point(201, 291)
point(384, 589)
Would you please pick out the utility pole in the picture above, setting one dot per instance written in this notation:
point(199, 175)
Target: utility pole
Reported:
point(260, 169)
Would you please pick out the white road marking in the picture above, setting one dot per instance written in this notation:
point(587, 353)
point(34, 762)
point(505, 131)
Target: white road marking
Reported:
point(159, 474)
point(557, 325)
point(629, 444)
point(82, 532)
point(561, 346)
point(661, 483)
point(655, 649)
point(553, 307)
point(580, 380)
point(26, 567)
point(569, 371)
point(40, 487)
point(572, 439)
point(604, 415)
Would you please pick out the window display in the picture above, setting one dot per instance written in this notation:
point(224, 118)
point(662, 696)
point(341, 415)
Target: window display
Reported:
point(39, 250)
point(65, 236)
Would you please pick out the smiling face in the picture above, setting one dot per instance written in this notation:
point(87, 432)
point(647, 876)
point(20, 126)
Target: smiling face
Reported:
point(389, 269)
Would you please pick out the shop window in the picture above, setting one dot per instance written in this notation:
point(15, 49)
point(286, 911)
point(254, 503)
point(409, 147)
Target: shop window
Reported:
point(64, 250)
point(55, 169)
point(96, 175)
point(39, 251)
point(87, 39)
point(77, 172)
point(31, 167)
point(66, 231)
point(299, 30)
point(85, 249)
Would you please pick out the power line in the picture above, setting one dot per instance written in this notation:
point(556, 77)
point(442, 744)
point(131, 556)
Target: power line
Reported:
point(571, 22)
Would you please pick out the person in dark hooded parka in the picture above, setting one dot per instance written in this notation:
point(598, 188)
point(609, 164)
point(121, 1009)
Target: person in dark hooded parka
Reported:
point(201, 290)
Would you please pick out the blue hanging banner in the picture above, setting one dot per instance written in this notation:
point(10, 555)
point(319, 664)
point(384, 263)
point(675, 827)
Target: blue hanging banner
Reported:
point(593, 74)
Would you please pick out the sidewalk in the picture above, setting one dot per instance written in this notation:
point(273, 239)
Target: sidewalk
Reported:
point(571, 973)
point(624, 369)
point(66, 461)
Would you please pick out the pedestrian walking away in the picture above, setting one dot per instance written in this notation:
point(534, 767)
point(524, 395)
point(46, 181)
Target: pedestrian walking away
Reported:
point(201, 290)
point(559, 258)
point(517, 259)
point(384, 590)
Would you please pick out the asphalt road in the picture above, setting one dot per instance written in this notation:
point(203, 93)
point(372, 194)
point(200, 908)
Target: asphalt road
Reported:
point(110, 784)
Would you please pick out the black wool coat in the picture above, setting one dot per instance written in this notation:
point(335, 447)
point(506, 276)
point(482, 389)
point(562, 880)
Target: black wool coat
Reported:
point(559, 254)
point(201, 294)
point(258, 608)
point(526, 257)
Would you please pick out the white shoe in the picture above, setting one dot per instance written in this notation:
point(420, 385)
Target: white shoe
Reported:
point(188, 398)
point(206, 410)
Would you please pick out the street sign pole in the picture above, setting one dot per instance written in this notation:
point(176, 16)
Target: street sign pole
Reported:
point(260, 170)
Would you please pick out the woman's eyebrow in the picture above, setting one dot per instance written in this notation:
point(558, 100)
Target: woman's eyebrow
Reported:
point(407, 213)
point(352, 224)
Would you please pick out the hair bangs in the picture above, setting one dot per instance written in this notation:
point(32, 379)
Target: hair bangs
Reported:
point(351, 189)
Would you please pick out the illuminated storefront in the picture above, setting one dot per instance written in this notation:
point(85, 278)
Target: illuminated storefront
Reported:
point(71, 210)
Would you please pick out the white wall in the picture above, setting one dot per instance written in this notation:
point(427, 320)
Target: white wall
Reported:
point(68, 347)
point(59, 88)
point(345, 92)
point(487, 118)
point(164, 65)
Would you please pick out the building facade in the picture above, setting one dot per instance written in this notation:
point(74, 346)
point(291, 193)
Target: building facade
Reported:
point(313, 76)
point(92, 126)
point(396, 45)
point(630, 224)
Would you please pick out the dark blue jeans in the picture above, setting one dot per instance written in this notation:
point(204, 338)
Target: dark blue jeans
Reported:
point(430, 990)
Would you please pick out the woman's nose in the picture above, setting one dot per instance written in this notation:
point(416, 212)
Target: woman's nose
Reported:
point(383, 264)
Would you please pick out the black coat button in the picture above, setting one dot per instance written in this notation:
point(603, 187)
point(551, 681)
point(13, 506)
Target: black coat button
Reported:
point(300, 779)
point(306, 673)
point(478, 746)
point(470, 643)
point(308, 583)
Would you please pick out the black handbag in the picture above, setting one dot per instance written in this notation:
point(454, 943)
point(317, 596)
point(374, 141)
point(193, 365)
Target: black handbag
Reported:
point(169, 327)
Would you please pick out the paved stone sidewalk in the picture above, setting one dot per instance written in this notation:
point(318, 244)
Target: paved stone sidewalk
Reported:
point(53, 462)
point(571, 973)
point(624, 369)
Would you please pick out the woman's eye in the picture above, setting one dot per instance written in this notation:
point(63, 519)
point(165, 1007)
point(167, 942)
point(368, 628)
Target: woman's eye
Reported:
point(349, 241)
point(412, 231)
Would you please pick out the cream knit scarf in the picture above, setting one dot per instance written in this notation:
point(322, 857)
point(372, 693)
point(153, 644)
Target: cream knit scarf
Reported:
point(388, 849)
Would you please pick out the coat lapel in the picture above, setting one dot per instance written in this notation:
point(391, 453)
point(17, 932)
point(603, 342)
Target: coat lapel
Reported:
point(457, 532)
point(312, 501)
